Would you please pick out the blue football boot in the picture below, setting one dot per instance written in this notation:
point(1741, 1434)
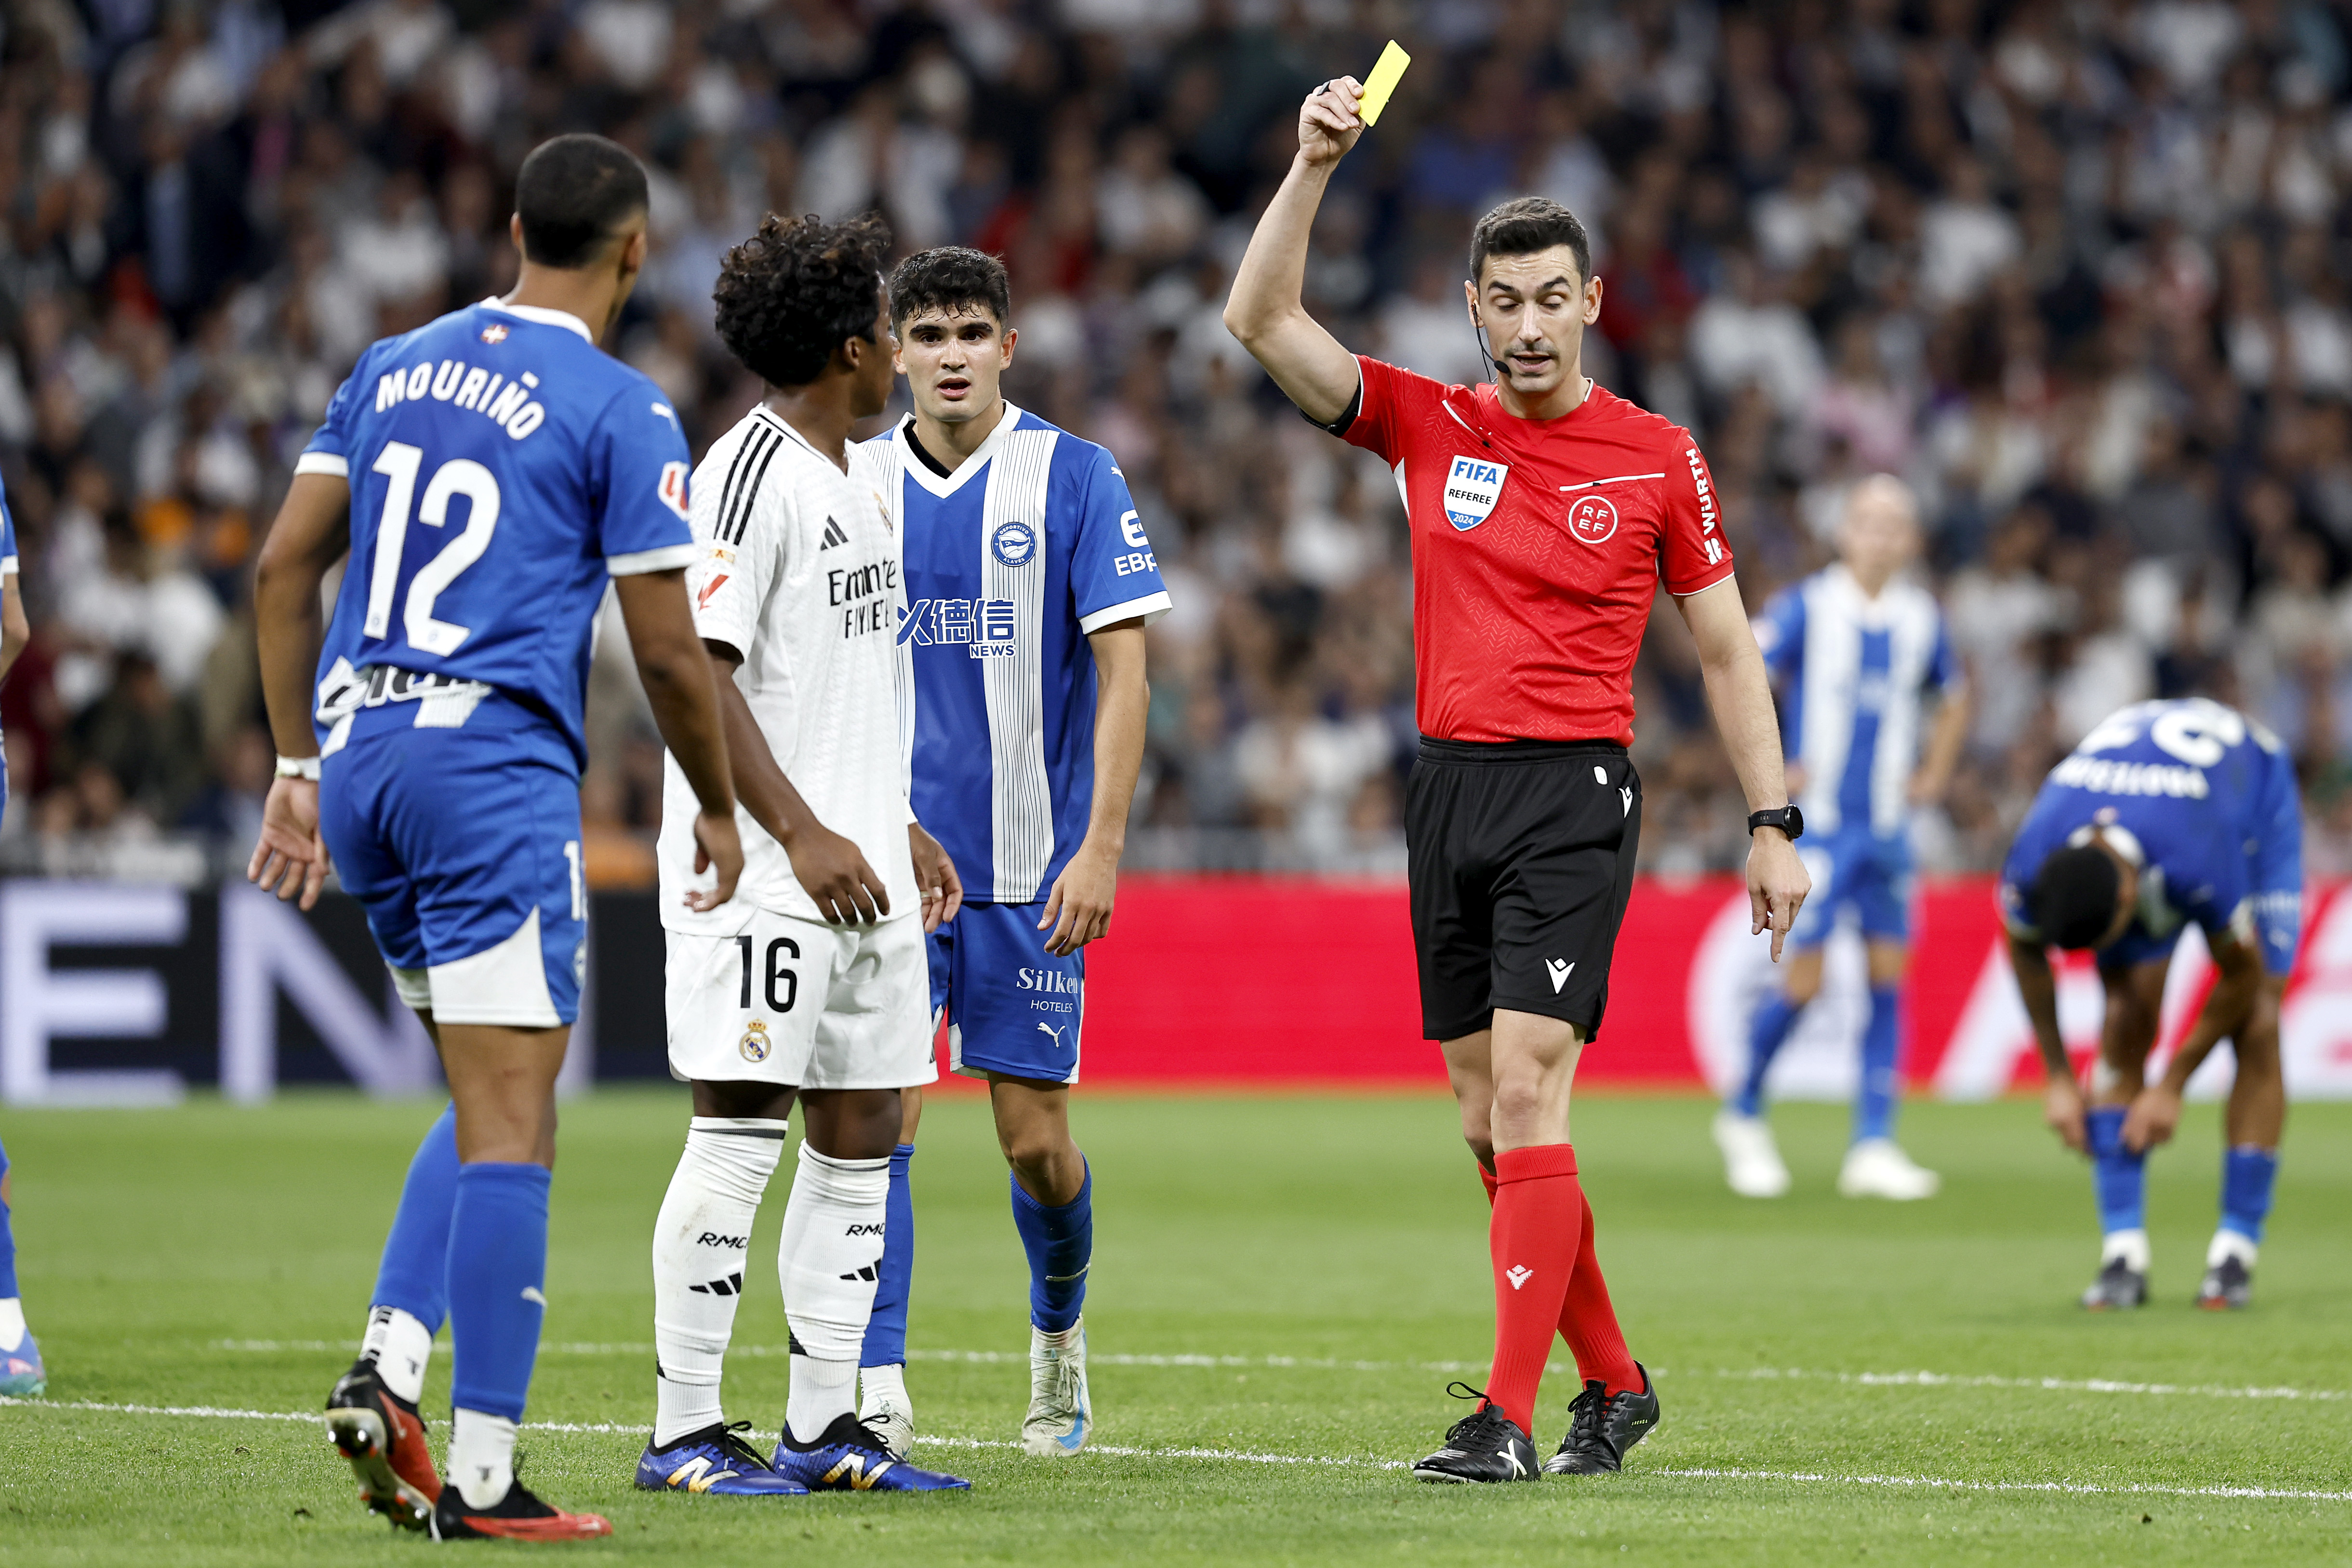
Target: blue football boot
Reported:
point(714, 1460)
point(850, 1457)
point(22, 1375)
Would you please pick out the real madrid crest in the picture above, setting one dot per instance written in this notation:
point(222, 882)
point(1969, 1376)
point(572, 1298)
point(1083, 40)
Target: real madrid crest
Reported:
point(755, 1041)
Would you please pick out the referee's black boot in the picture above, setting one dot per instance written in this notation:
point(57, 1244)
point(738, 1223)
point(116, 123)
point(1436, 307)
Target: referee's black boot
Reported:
point(1603, 1425)
point(1484, 1446)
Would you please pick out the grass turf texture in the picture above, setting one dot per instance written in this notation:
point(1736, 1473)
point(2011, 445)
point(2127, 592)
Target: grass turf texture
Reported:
point(1346, 1228)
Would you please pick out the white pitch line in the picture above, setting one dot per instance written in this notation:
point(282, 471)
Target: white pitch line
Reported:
point(1327, 1363)
point(1247, 1457)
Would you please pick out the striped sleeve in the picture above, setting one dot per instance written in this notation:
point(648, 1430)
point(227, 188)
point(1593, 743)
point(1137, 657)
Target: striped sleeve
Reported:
point(739, 523)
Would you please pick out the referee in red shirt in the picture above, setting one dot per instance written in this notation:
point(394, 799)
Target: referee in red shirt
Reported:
point(1545, 511)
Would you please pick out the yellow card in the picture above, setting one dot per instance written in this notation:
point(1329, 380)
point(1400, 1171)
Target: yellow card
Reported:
point(1382, 82)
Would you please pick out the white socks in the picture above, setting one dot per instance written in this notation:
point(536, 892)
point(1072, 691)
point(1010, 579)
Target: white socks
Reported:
point(699, 1245)
point(400, 1346)
point(882, 1386)
point(12, 1322)
point(481, 1456)
point(2225, 1245)
point(2131, 1245)
point(830, 1254)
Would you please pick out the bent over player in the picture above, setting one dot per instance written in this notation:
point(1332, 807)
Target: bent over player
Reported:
point(1029, 583)
point(2168, 812)
point(1854, 648)
point(812, 982)
point(490, 474)
point(1545, 513)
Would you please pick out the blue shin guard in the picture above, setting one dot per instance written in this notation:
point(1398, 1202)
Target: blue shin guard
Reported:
point(1873, 1102)
point(886, 1330)
point(498, 1273)
point(2119, 1175)
point(414, 1273)
point(1767, 1031)
point(2247, 1174)
point(1060, 1243)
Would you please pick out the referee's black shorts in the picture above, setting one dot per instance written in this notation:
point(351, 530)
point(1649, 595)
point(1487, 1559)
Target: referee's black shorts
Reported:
point(1521, 856)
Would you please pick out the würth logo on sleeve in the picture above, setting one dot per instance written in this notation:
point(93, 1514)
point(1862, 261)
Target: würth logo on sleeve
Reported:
point(1592, 519)
point(1473, 485)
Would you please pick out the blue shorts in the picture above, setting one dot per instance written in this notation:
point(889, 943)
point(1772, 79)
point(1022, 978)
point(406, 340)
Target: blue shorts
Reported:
point(464, 846)
point(1852, 866)
point(1012, 1006)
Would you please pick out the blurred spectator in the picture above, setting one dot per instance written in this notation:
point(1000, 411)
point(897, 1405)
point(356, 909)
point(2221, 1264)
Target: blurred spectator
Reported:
point(2078, 274)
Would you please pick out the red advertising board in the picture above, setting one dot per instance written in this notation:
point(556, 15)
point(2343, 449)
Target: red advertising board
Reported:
point(1245, 979)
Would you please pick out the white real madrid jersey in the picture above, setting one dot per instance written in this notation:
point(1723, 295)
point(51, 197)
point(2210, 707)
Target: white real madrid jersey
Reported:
point(798, 569)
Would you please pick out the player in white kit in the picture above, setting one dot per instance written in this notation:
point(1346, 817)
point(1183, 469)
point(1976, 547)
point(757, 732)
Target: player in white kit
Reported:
point(813, 981)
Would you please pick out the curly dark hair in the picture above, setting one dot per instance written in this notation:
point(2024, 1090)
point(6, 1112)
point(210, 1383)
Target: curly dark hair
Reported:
point(953, 279)
point(797, 290)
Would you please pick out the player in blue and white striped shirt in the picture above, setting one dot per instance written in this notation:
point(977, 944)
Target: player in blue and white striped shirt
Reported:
point(22, 1375)
point(1029, 583)
point(1855, 651)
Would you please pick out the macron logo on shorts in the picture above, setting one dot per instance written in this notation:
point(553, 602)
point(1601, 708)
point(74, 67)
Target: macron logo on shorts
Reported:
point(1518, 1275)
point(1558, 972)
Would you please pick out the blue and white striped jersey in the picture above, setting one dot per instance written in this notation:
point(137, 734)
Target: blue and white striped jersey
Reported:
point(1031, 544)
point(503, 470)
point(1851, 671)
point(7, 537)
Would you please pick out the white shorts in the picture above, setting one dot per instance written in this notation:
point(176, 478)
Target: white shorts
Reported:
point(803, 1003)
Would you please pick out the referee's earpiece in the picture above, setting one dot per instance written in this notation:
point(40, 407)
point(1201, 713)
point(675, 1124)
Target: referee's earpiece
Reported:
point(1486, 352)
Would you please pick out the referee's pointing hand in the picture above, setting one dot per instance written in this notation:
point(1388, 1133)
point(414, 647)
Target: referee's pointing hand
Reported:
point(1777, 885)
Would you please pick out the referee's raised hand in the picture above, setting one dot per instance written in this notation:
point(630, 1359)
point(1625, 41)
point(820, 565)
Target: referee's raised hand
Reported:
point(1328, 122)
point(1777, 883)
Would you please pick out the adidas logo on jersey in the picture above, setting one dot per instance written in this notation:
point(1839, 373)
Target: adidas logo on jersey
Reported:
point(834, 535)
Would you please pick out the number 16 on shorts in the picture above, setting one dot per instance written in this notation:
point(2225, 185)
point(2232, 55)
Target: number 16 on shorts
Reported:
point(794, 1002)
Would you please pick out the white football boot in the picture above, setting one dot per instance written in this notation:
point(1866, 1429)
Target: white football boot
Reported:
point(1878, 1168)
point(886, 1411)
point(1061, 1412)
point(1751, 1160)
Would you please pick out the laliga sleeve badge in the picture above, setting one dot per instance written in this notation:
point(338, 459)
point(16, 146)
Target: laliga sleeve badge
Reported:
point(755, 1041)
point(1473, 485)
point(1014, 542)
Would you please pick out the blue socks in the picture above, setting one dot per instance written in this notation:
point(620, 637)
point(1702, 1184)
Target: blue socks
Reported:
point(8, 1243)
point(1060, 1243)
point(2119, 1176)
point(1873, 1103)
point(1767, 1032)
point(886, 1330)
point(2247, 1174)
point(498, 1271)
point(414, 1275)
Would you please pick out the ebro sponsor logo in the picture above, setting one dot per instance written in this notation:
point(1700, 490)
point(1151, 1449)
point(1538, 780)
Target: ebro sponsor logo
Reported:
point(1051, 980)
point(1473, 485)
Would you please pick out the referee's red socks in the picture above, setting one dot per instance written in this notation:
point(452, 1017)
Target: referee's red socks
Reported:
point(1546, 1278)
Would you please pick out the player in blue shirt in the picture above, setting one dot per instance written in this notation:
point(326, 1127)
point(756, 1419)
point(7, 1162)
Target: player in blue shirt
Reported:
point(2167, 813)
point(21, 1374)
point(1029, 583)
point(1855, 651)
point(491, 476)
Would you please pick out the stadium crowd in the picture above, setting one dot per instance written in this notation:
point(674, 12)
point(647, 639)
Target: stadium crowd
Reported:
point(2078, 273)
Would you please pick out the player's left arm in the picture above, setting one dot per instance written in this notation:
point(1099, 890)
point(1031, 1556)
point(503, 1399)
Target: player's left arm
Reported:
point(2230, 1008)
point(1079, 907)
point(1741, 699)
point(312, 533)
point(16, 631)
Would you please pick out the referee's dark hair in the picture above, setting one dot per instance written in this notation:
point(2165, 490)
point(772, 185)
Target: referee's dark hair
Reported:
point(573, 194)
point(2072, 901)
point(952, 278)
point(798, 289)
point(1524, 225)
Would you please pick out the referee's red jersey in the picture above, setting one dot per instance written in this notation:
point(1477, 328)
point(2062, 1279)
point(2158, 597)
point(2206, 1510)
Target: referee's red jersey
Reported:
point(1538, 547)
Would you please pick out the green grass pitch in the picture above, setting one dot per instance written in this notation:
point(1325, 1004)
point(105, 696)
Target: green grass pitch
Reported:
point(1275, 1276)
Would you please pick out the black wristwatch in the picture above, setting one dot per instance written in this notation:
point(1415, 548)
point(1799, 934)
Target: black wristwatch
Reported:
point(1786, 818)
